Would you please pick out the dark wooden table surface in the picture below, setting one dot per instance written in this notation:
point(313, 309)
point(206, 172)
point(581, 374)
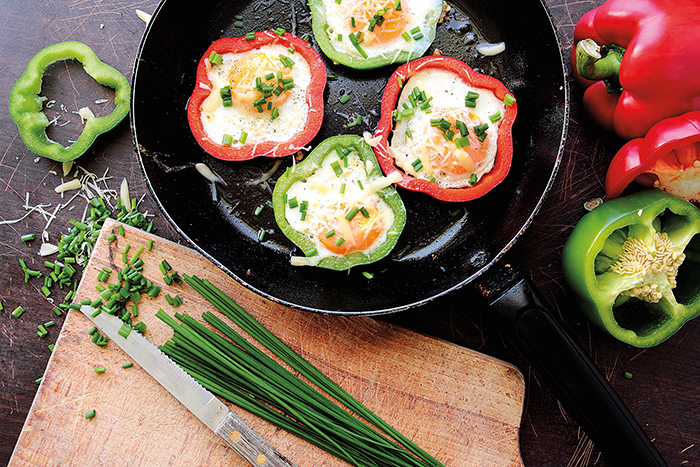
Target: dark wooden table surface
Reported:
point(664, 393)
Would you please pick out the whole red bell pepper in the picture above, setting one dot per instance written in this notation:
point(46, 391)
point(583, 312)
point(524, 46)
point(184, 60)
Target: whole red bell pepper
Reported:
point(649, 65)
point(668, 157)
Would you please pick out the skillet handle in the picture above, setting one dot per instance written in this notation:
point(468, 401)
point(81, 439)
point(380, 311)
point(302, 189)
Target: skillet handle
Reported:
point(575, 380)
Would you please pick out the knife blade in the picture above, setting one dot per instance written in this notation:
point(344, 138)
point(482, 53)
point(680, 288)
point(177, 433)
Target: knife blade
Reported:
point(198, 400)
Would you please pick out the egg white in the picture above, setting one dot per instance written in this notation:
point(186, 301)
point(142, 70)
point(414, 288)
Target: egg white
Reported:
point(425, 15)
point(325, 201)
point(219, 120)
point(448, 92)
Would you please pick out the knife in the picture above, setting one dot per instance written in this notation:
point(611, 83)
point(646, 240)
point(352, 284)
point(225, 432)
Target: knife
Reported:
point(202, 403)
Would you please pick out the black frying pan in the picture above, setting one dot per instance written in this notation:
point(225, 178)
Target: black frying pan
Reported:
point(444, 245)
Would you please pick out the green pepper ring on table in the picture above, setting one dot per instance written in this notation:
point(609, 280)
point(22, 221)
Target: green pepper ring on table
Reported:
point(608, 273)
point(26, 107)
point(305, 169)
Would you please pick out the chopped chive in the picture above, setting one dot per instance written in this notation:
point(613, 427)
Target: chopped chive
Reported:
point(449, 135)
point(19, 311)
point(418, 36)
point(27, 237)
point(125, 330)
point(351, 214)
point(480, 129)
point(149, 246)
point(336, 168)
point(364, 212)
point(358, 121)
point(250, 36)
point(368, 275)
point(121, 230)
point(100, 369)
point(280, 32)
point(406, 36)
point(243, 137)
point(259, 210)
point(238, 24)
point(409, 133)
point(92, 330)
point(330, 233)
point(275, 113)
point(357, 45)
point(293, 203)
point(352, 21)
point(495, 117)
point(472, 179)
point(417, 165)
point(215, 58)
point(342, 188)
point(462, 142)
point(628, 375)
point(462, 127)
point(261, 235)
point(344, 98)
point(340, 241)
point(331, 77)
point(90, 414)
point(127, 365)
point(286, 61)
point(509, 100)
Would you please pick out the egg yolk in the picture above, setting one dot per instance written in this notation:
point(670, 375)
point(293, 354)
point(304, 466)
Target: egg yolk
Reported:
point(250, 87)
point(365, 11)
point(445, 156)
point(342, 237)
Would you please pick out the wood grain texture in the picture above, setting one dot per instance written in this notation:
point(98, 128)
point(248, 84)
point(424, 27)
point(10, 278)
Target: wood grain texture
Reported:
point(461, 406)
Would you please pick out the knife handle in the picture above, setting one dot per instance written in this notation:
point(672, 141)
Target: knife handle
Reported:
point(249, 444)
point(575, 380)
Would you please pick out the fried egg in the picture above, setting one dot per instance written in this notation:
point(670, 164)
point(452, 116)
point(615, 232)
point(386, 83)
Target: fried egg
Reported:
point(339, 210)
point(393, 30)
point(447, 142)
point(250, 78)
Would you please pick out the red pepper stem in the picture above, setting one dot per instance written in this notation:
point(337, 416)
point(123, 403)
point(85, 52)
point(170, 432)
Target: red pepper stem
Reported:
point(590, 63)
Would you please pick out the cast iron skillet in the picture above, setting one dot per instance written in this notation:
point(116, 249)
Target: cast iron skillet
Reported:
point(444, 245)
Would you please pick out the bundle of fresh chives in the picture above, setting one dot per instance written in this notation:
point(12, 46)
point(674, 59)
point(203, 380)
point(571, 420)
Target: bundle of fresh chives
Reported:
point(241, 373)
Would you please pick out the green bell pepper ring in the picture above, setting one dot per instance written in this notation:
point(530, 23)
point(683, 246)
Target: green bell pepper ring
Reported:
point(26, 108)
point(349, 34)
point(337, 206)
point(634, 263)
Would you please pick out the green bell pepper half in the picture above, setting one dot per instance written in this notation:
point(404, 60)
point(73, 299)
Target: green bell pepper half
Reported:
point(304, 169)
point(409, 49)
point(634, 263)
point(26, 107)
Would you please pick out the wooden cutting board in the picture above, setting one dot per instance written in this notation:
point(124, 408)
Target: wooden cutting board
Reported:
point(461, 406)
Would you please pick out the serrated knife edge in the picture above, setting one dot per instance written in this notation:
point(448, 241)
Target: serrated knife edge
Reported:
point(198, 400)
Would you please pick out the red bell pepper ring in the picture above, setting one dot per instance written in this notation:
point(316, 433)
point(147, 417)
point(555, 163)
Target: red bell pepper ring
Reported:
point(314, 97)
point(668, 157)
point(504, 153)
point(659, 68)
